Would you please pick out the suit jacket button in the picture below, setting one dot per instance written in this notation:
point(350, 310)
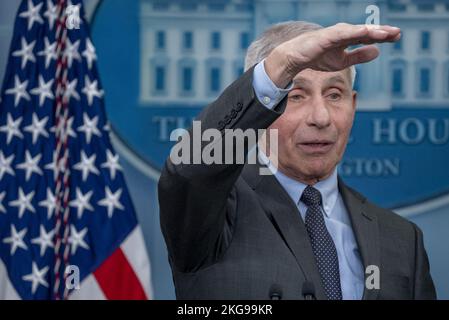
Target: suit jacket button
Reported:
point(239, 106)
point(233, 113)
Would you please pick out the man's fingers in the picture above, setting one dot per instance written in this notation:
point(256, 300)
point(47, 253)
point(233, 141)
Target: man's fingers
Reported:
point(387, 28)
point(344, 34)
point(397, 37)
point(384, 33)
point(372, 41)
point(361, 55)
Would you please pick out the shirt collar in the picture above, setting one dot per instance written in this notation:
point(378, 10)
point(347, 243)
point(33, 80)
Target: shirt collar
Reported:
point(327, 187)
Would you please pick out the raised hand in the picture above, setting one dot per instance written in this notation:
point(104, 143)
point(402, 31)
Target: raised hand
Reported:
point(325, 50)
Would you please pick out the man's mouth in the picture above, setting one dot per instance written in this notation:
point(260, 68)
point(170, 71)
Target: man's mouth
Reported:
point(316, 147)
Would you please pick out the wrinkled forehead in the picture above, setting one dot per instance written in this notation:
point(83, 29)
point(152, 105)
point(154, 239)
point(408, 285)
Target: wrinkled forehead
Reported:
point(313, 78)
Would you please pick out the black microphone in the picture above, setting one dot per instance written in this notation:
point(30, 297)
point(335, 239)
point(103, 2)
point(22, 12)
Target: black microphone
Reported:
point(275, 292)
point(308, 290)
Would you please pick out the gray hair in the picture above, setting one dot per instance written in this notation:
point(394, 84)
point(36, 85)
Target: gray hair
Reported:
point(277, 34)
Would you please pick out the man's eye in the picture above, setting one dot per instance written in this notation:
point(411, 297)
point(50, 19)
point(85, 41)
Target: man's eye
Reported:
point(334, 96)
point(295, 97)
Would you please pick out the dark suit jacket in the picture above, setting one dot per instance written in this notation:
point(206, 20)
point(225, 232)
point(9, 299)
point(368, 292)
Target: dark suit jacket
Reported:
point(233, 234)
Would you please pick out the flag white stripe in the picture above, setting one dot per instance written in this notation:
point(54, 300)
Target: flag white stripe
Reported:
point(89, 290)
point(7, 291)
point(134, 250)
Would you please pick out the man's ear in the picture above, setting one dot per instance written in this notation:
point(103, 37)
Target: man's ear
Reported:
point(354, 99)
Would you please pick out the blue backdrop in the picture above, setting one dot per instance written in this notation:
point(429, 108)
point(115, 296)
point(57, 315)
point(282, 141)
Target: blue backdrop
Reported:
point(160, 62)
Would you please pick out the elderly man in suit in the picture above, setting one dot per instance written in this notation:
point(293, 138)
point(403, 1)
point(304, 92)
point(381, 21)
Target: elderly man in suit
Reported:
point(233, 233)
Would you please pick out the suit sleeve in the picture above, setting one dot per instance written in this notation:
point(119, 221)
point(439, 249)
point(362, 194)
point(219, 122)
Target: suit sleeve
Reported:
point(198, 201)
point(424, 288)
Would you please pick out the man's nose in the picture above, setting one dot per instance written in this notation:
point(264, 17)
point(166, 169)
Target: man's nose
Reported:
point(318, 114)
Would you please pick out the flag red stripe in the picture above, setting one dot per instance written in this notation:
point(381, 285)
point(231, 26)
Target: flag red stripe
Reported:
point(118, 280)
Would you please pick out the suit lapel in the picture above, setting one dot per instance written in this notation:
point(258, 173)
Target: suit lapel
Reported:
point(287, 220)
point(366, 231)
point(284, 214)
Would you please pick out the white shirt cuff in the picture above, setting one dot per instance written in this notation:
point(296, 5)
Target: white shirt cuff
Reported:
point(266, 91)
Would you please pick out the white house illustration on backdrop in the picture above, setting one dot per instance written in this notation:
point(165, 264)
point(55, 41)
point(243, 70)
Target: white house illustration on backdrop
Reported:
point(190, 50)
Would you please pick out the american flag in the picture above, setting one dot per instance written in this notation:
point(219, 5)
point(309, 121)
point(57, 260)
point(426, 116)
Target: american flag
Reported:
point(64, 206)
